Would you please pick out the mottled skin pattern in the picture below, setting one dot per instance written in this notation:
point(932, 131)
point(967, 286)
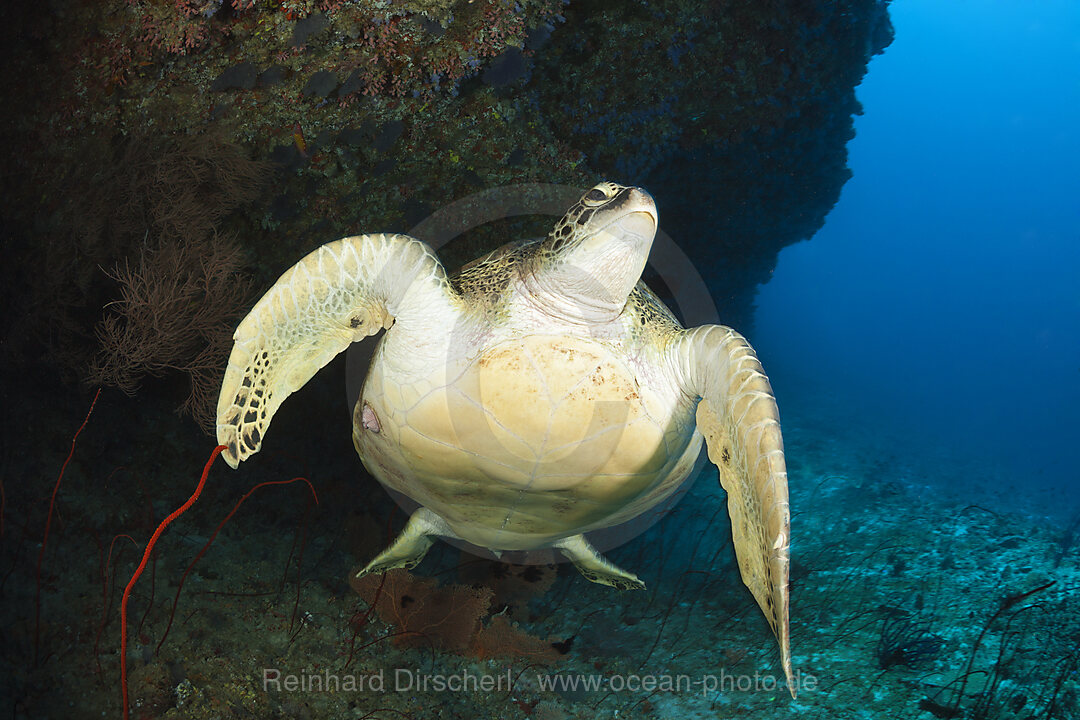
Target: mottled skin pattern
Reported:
point(541, 393)
point(484, 281)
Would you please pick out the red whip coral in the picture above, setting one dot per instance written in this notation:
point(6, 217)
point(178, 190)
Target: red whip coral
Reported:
point(142, 566)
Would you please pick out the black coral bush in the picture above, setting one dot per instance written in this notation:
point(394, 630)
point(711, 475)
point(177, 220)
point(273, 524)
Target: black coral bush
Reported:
point(174, 313)
point(131, 270)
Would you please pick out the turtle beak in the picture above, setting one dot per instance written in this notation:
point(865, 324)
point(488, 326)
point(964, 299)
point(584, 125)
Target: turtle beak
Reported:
point(640, 223)
point(637, 226)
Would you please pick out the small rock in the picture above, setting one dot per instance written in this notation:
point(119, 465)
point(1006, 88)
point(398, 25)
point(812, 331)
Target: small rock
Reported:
point(353, 83)
point(388, 135)
point(308, 27)
point(383, 167)
point(505, 69)
point(432, 27)
point(517, 157)
point(273, 75)
point(321, 84)
point(356, 137)
point(239, 77)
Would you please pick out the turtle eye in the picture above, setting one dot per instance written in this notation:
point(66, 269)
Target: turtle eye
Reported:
point(596, 195)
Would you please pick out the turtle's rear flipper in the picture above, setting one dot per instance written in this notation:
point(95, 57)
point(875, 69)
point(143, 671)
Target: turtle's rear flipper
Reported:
point(739, 419)
point(594, 567)
point(410, 547)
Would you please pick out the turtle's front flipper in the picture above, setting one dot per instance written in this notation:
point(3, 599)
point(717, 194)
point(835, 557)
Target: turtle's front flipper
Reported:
point(594, 567)
point(411, 545)
point(342, 292)
point(739, 419)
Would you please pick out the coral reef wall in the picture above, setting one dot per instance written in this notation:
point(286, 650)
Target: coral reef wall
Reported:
point(279, 125)
point(165, 160)
point(734, 113)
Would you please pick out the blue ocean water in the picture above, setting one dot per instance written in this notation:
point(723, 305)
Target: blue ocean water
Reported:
point(938, 310)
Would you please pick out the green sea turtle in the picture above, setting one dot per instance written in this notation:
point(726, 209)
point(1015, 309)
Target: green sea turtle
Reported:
point(541, 393)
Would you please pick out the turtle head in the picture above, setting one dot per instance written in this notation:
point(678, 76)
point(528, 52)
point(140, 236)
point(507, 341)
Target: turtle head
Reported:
point(593, 258)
